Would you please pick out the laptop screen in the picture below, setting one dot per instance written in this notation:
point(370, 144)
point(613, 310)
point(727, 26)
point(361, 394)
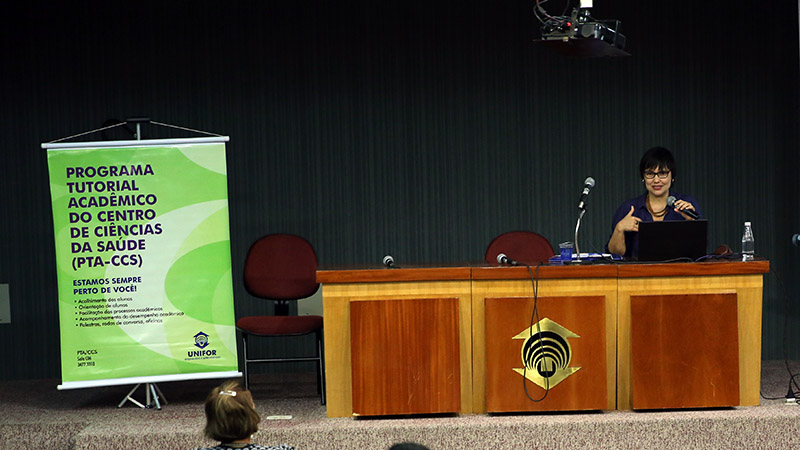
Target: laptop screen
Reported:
point(661, 241)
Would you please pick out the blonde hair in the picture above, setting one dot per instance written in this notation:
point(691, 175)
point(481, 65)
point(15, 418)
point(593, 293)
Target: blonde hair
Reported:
point(230, 413)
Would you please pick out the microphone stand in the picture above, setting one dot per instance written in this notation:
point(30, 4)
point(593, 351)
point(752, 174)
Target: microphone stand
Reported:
point(578, 227)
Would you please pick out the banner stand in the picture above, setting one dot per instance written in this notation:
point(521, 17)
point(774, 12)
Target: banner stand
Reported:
point(149, 388)
point(153, 394)
point(138, 121)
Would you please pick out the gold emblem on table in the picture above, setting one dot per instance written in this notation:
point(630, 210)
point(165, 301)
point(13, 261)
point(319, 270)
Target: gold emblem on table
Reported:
point(546, 353)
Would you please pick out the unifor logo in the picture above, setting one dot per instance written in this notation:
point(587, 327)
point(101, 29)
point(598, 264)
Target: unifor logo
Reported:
point(546, 353)
point(201, 340)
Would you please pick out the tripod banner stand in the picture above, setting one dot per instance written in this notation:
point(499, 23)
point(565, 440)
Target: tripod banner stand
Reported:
point(143, 260)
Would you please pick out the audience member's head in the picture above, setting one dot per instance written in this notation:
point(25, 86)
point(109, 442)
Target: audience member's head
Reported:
point(230, 413)
point(408, 446)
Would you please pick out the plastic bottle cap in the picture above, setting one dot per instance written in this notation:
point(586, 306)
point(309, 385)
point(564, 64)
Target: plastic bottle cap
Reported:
point(747, 224)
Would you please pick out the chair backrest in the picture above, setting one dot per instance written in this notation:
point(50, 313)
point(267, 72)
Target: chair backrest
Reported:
point(523, 246)
point(281, 267)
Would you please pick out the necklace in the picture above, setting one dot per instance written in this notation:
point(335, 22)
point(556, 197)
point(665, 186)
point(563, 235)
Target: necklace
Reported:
point(661, 213)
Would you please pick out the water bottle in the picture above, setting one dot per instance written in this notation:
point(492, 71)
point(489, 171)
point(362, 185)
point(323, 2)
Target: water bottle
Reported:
point(748, 243)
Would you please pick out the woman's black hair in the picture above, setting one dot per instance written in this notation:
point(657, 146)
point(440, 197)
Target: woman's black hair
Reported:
point(658, 157)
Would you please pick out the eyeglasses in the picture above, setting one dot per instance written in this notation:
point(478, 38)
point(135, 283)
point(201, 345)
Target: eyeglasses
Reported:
point(662, 174)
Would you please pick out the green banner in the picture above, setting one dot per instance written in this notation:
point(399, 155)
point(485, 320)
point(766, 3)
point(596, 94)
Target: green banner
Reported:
point(143, 259)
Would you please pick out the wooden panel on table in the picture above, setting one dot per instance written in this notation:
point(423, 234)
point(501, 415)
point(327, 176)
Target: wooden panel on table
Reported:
point(502, 284)
point(748, 289)
point(364, 286)
point(684, 351)
point(578, 338)
point(405, 356)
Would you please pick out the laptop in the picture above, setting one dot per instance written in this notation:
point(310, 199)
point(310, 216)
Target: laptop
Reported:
point(673, 239)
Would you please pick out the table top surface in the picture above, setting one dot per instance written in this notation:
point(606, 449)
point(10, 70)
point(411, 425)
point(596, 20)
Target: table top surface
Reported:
point(467, 271)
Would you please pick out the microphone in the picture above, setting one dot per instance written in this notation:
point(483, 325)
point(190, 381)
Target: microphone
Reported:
point(796, 240)
point(388, 261)
point(503, 259)
point(689, 212)
point(588, 184)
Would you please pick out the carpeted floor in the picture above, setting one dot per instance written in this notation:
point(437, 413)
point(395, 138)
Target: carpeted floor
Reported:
point(37, 416)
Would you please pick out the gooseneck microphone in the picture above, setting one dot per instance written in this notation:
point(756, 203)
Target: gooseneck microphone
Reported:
point(503, 259)
point(588, 184)
point(689, 212)
point(388, 261)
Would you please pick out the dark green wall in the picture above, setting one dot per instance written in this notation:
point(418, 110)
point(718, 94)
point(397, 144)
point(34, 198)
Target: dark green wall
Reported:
point(420, 129)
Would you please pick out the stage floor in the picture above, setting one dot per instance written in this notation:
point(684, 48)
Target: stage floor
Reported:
point(36, 415)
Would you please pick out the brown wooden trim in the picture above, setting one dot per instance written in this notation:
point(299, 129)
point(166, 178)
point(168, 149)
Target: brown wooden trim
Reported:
point(693, 269)
point(545, 272)
point(393, 275)
point(627, 270)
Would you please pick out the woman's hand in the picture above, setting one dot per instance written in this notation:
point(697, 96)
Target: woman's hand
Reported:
point(680, 206)
point(616, 244)
point(629, 222)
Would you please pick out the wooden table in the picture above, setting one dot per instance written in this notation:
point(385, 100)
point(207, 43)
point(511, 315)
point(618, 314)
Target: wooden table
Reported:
point(424, 340)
